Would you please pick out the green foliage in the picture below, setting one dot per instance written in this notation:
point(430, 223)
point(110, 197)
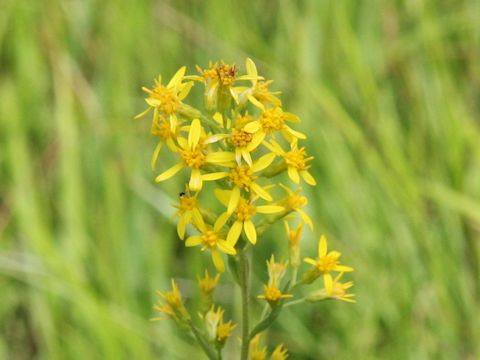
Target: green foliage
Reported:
point(388, 93)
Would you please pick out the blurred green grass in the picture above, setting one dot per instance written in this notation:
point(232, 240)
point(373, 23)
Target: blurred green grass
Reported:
point(389, 94)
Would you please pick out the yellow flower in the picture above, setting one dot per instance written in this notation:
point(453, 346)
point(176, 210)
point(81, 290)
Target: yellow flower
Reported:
point(243, 142)
point(188, 212)
point(243, 213)
point(295, 160)
point(219, 79)
point(258, 94)
point(272, 293)
point(295, 202)
point(337, 292)
point(212, 239)
point(208, 284)
point(173, 306)
point(217, 329)
point(243, 177)
point(272, 120)
point(294, 236)
point(326, 263)
point(280, 353)
point(168, 99)
point(257, 353)
point(194, 155)
point(162, 129)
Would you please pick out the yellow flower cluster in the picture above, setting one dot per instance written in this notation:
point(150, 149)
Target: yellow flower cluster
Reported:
point(240, 140)
point(241, 150)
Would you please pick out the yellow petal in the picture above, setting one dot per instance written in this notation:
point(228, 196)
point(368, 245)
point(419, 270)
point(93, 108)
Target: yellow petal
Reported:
point(251, 68)
point(193, 241)
point(143, 113)
point(310, 261)
point(218, 118)
point(306, 219)
point(214, 176)
point(220, 157)
point(218, 261)
point(263, 162)
point(250, 231)
point(343, 268)
point(234, 232)
point(308, 178)
point(177, 78)
point(257, 189)
point(185, 90)
point(327, 279)
point(295, 133)
point(256, 140)
point(155, 154)
point(196, 181)
point(322, 246)
point(198, 219)
point(181, 227)
point(226, 247)
point(234, 199)
point(293, 175)
point(255, 102)
point(269, 209)
point(252, 127)
point(246, 156)
point(194, 133)
point(221, 220)
point(169, 173)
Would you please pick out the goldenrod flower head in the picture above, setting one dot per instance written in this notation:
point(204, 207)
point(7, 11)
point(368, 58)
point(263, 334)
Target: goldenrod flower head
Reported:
point(194, 155)
point(280, 353)
point(188, 212)
point(294, 236)
point(257, 353)
point(217, 330)
point(295, 202)
point(338, 291)
point(243, 214)
point(167, 99)
point(276, 271)
point(208, 284)
point(295, 160)
point(173, 306)
point(224, 330)
point(213, 240)
point(326, 263)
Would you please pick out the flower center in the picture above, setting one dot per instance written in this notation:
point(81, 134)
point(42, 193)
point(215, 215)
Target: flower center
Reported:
point(245, 210)
point(169, 102)
point(242, 176)
point(327, 263)
point(272, 120)
point(193, 158)
point(187, 203)
point(296, 158)
point(240, 138)
point(296, 201)
point(210, 238)
point(272, 294)
point(225, 74)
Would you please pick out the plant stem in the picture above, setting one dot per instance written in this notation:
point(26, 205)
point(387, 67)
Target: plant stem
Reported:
point(244, 287)
point(204, 345)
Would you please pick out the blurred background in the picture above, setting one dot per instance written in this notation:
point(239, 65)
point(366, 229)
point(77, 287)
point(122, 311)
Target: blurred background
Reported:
point(389, 93)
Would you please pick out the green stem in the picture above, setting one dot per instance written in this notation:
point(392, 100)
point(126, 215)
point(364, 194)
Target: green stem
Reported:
point(294, 302)
point(203, 343)
point(244, 287)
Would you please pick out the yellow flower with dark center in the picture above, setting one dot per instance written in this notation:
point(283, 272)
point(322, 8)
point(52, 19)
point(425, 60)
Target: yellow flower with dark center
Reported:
point(280, 353)
point(243, 214)
point(167, 99)
point(194, 155)
point(326, 263)
point(173, 306)
point(273, 120)
point(295, 202)
point(213, 240)
point(188, 212)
